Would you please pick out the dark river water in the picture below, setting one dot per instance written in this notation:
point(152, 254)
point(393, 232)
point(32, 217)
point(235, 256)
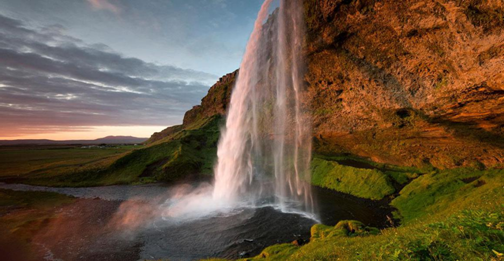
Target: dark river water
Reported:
point(140, 222)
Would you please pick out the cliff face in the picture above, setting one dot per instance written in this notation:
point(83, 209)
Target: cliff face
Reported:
point(215, 102)
point(417, 83)
point(408, 82)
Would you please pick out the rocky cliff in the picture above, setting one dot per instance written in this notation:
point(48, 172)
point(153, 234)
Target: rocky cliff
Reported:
point(408, 82)
point(416, 83)
point(214, 103)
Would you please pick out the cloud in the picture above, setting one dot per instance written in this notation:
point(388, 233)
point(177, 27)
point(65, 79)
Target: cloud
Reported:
point(49, 80)
point(104, 5)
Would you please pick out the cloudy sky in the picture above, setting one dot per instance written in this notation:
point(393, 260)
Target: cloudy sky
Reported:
point(82, 69)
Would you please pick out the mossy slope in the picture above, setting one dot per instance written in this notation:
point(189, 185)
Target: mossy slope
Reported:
point(364, 183)
point(188, 153)
point(359, 177)
point(446, 215)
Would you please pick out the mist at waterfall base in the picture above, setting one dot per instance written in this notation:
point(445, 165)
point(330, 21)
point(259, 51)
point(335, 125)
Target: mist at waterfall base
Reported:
point(265, 147)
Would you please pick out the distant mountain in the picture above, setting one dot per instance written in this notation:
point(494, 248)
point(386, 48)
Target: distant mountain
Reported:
point(105, 140)
point(121, 139)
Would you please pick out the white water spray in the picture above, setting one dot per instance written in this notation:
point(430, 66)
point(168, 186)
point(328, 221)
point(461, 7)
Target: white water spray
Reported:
point(265, 148)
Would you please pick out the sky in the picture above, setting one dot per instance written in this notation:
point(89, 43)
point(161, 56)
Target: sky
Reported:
point(85, 69)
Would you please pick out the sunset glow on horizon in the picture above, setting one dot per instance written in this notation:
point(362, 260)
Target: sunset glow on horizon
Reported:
point(90, 133)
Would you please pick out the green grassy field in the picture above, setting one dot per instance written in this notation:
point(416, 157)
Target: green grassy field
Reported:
point(25, 161)
point(188, 153)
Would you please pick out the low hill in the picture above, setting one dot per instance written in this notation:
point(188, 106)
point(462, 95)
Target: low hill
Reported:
point(105, 140)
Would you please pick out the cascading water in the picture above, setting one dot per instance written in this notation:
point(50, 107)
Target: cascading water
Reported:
point(265, 148)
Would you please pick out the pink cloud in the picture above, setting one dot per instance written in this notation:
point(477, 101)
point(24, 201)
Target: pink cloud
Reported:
point(104, 5)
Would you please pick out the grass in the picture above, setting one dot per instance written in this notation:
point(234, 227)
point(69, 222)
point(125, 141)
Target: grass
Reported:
point(433, 195)
point(349, 228)
point(31, 199)
point(453, 214)
point(28, 160)
point(278, 251)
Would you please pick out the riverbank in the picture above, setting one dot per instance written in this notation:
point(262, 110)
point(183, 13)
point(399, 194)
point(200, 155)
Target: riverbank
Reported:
point(127, 222)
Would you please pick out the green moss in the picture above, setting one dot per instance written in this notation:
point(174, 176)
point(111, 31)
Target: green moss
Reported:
point(320, 231)
point(447, 215)
point(353, 227)
point(364, 183)
point(278, 252)
point(467, 235)
point(344, 228)
point(434, 193)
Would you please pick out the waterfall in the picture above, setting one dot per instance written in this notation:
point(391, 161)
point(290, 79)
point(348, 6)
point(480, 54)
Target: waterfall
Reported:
point(264, 151)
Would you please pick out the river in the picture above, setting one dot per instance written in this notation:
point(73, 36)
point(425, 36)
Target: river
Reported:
point(129, 222)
